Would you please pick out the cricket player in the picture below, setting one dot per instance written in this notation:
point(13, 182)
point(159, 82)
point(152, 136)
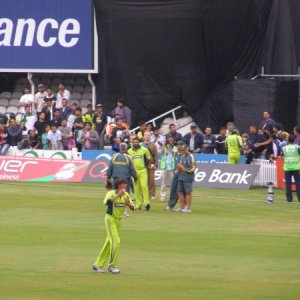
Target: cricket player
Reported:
point(141, 159)
point(234, 144)
point(116, 201)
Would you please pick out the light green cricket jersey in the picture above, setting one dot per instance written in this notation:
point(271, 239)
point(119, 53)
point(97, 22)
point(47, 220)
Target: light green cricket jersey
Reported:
point(116, 208)
point(234, 143)
point(138, 157)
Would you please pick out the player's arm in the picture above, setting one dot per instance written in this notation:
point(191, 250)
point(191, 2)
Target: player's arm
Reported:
point(129, 203)
point(192, 165)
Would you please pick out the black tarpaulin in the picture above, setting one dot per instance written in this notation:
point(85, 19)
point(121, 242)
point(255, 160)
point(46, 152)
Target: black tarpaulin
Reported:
point(161, 54)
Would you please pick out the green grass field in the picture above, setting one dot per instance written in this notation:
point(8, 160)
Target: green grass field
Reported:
point(233, 246)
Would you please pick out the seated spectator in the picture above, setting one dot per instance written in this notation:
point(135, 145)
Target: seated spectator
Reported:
point(194, 140)
point(54, 139)
point(174, 134)
point(44, 138)
point(62, 93)
point(72, 115)
point(40, 125)
point(26, 99)
point(267, 121)
point(14, 133)
point(119, 131)
point(39, 98)
point(27, 119)
point(158, 139)
point(56, 118)
point(143, 128)
point(122, 111)
point(3, 118)
point(208, 141)
point(220, 142)
point(4, 146)
point(33, 140)
point(67, 136)
point(65, 111)
point(88, 137)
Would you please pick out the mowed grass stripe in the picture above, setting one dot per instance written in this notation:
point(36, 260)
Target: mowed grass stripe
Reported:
point(225, 249)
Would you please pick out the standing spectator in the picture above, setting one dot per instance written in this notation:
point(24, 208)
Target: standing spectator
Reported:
point(48, 110)
point(194, 140)
point(173, 199)
point(149, 127)
point(44, 138)
point(158, 139)
point(267, 121)
point(4, 146)
point(62, 94)
point(77, 126)
point(277, 129)
point(100, 121)
point(67, 136)
point(123, 111)
point(143, 128)
point(234, 146)
point(174, 134)
point(275, 149)
point(229, 127)
point(141, 159)
point(297, 134)
point(3, 118)
point(167, 166)
point(220, 142)
point(64, 111)
point(28, 119)
point(291, 168)
point(116, 201)
point(89, 115)
point(26, 99)
point(119, 131)
point(54, 138)
point(40, 124)
point(247, 148)
point(51, 96)
point(285, 138)
point(72, 116)
point(153, 164)
point(186, 168)
point(208, 141)
point(39, 98)
point(88, 137)
point(56, 118)
point(116, 144)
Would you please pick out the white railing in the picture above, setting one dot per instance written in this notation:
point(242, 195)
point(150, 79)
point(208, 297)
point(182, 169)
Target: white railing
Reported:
point(267, 172)
point(172, 111)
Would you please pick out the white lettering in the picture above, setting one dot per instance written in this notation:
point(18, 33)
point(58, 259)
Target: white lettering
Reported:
point(227, 177)
point(214, 175)
point(7, 32)
point(20, 31)
point(200, 176)
point(15, 166)
point(64, 31)
point(41, 33)
point(47, 33)
point(244, 178)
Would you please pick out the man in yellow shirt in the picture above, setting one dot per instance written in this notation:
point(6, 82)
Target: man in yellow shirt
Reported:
point(116, 201)
point(141, 158)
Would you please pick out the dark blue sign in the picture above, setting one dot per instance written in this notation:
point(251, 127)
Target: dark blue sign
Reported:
point(51, 34)
point(200, 158)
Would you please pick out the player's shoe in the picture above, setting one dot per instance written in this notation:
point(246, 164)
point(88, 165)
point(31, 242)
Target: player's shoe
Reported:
point(126, 214)
point(113, 270)
point(186, 210)
point(137, 208)
point(147, 207)
point(97, 269)
point(179, 209)
point(168, 208)
point(152, 198)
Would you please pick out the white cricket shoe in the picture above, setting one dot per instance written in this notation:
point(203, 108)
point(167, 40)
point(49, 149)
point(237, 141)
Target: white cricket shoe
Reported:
point(152, 198)
point(113, 270)
point(186, 210)
point(178, 209)
point(168, 208)
point(97, 269)
point(126, 214)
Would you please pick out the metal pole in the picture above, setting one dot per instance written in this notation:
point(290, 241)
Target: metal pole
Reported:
point(29, 77)
point(262, 70)
point(280, 75)
point(93, 90)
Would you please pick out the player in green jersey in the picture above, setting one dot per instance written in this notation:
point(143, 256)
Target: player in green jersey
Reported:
point(115, 201)
point(234, 145)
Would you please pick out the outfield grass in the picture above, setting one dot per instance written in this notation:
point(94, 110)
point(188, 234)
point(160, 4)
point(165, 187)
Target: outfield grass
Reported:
point(233, 246)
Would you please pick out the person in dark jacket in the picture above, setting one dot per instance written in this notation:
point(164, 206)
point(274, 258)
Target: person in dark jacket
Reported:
point(220, 142)
point(208, 141)
point(174, 134)
point(194, 140)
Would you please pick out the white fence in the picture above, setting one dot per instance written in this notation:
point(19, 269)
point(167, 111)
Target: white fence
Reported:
point(267, 172)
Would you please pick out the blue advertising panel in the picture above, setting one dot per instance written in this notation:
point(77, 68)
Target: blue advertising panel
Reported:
point(200, 158)
point(56, 35)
